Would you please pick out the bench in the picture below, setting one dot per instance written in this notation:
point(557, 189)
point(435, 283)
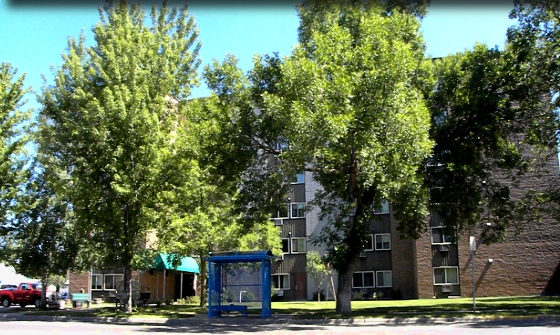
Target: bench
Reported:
point(79, 297)
point(233, 308)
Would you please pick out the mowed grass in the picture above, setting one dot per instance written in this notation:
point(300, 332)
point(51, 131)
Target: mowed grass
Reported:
point(502, 306)
point(390, 309)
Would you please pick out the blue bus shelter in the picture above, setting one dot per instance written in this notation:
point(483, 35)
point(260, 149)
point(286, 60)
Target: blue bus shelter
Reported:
point(216, 263)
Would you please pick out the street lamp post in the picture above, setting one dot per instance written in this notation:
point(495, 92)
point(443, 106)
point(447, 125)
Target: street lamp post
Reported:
point(472, 241)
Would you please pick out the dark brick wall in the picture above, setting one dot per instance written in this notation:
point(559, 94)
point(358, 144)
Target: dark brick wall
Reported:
point(403, 265)
point(524, 264)
point(425, 281)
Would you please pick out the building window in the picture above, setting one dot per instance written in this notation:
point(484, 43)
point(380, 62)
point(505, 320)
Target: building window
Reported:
point(383, 208)
point(439, 236)
point(281, 144)
point(382, 241)
point(96, 282)
point(298, 245)
point(299, 178)
point(298, 210)
point(446, 275)
point(281, 281)
point(363, 279)
point(285, 246)
point(281, 212)
point(384, 278)
point(369, 243)
point(112, 280)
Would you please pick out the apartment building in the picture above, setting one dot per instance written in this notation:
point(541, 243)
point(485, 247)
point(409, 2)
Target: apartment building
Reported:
point(440, 264)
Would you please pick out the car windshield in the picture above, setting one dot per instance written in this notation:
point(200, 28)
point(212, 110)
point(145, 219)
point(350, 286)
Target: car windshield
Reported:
point(36, 286)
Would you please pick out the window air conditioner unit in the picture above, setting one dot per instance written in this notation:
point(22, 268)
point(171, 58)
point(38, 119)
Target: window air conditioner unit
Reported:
point(279, 293)
point(278, 222)
point(446, 288)
point(444, 247)
point(280, 258)
point(363, 254)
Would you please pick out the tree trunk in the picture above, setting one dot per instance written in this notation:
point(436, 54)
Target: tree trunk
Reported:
point(203, 279)
point(332, 286)
point(344, 292)
point(44, 292)
point(127, 283)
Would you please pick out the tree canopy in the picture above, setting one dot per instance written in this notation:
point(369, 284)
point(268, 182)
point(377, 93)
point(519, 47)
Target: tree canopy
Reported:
point(14, 134)
point(112, 116)
point(348, 105)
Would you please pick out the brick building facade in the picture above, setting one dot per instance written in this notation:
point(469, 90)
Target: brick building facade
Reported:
point(434, 266)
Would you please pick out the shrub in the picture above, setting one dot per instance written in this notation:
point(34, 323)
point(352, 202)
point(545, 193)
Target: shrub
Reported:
point(247, 296)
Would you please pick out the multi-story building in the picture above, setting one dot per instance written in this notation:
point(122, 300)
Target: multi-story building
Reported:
point(439, 264)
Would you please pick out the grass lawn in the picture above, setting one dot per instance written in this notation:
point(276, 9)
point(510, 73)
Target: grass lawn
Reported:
point(461, 307)
point(503, 306)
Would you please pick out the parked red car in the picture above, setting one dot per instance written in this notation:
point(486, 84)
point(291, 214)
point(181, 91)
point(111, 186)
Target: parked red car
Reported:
point(25, 294)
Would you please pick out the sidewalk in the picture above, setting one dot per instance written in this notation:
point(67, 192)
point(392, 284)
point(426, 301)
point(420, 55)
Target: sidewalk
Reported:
point(276, 319)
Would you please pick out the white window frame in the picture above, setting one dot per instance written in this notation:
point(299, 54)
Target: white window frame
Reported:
point(297, 179)
point(442, 236)
point(384, 272)
point(363, 281)
point(274, 282)
point(292, 204)
point(99, 282)
point(297, 240)
point(115, 280)
point(384, 208)
point(382, 235)
point(370, 244)
point(277, 215)
point(446, 282)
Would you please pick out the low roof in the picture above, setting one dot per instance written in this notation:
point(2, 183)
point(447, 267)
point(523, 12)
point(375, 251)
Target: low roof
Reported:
point(240, 256)
point(188, 264)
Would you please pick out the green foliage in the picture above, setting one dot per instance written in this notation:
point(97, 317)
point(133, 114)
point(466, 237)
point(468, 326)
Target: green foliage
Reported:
point(247, 296)
point(112, 120)
point(533, 46)
point(194, 300)
point(42, 241)
point(318, 270)
point(228, 296)
point(475, 127)
point(349, 102)
point(488, 107)
point(14, 134)
point(360, 119)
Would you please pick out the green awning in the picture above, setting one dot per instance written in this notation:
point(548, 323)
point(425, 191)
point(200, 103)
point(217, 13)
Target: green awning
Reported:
point(187, 264)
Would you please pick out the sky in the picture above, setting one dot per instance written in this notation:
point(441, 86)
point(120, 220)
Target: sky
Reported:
point(34, 33)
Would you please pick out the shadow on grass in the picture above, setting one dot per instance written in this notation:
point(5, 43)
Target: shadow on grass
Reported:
point(495, 307)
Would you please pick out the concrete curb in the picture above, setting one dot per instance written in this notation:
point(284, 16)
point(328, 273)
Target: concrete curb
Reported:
point(279, 319)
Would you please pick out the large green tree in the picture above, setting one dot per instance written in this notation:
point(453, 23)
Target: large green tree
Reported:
point(201, 209)
point(113, 111)
point(353, 95)
point(14, 126)
point(494, 120)
point(41, 243)
point(348, 105)
point(533, 44)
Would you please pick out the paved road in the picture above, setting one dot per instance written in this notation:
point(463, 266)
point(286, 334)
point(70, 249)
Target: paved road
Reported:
point(240, 326)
